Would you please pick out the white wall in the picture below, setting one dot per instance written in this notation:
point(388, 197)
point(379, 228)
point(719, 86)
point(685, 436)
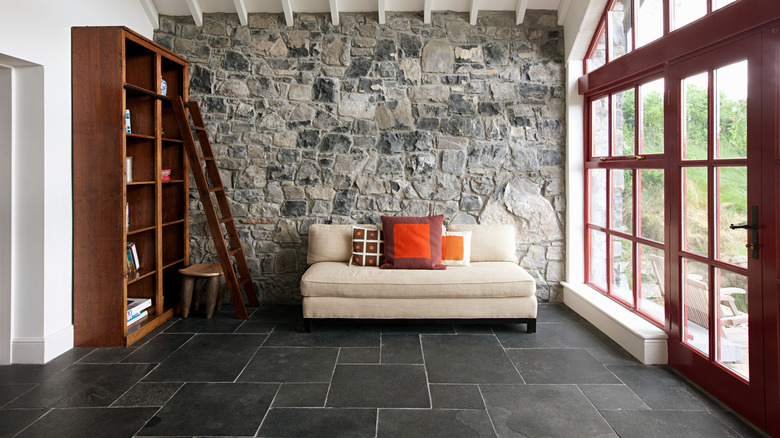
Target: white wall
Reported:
point(35, 43)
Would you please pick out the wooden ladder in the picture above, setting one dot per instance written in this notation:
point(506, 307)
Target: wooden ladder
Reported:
point(231, 247)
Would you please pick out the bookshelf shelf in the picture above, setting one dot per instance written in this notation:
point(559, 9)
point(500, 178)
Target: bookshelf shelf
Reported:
point(119, 193)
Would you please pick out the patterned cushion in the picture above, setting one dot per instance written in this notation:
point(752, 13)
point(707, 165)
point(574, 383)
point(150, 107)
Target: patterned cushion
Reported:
point(412, 242)
point(456, 248)
point(368, 247)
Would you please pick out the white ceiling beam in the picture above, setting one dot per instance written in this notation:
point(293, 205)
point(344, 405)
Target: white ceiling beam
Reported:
point(563, 11)
point(196, 11)
point(427, 11)
point(288, 12)
point(334, 12)
point(380, 5)
point(522, 5)
point(474, 12)
point(151, 12)
point(243, 14)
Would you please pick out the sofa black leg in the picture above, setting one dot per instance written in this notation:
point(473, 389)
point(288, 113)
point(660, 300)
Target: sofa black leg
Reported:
point(307, 325)
point(531, 326)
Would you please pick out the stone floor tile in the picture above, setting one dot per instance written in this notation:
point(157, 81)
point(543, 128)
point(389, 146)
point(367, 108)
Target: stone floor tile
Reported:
point(87, 385)
point(292, 335)
point(208, 358)
point(301, 395)
point(401, 349)
point(543, 410)
point(278, 313)
point(359, 355)
point(559, 366)
point(549, 335)
point(158, 349)
point(107, 355)
point(30, 373)
point(613, 397)
point(221, 322)
point(256, 327)
point(290, 364)
point(379, 386)
point(417, 328)
point(660, 388)
point(315, 423)
point(433, 423)
point(213, 409)
point(13, 421)
point(89, 422)
point(467, 359)
point(657, 423)
point(456, 396)
point(9, 392)
point(148, 394)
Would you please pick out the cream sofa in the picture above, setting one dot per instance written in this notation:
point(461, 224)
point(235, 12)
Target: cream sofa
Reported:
point(494, 286)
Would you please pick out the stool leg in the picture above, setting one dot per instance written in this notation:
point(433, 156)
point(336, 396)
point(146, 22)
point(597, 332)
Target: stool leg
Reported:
point(221, 292)
point(186, 295)
point(198, 292)
point(212, 286)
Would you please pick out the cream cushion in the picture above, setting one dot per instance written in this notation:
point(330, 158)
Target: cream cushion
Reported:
point(486, 280)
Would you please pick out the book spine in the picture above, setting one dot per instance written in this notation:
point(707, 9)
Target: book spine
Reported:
point(134, 252)
point(127, 121)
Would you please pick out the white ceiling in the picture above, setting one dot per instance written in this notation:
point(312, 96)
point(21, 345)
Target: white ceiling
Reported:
point(196, 8)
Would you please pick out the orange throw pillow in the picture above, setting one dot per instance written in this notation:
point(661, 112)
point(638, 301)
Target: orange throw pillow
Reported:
point(456, 248)
point(412, 242)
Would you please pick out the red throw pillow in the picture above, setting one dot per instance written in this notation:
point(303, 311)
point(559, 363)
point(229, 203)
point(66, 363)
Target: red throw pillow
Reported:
point(412, 242)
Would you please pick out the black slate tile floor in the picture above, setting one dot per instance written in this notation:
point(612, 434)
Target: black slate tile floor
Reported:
point(265, 377)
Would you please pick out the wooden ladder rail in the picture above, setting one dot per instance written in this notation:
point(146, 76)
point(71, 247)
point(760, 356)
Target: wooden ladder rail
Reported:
point(183, 114)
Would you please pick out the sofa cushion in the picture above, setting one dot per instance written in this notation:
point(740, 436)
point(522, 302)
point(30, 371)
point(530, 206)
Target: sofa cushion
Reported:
point(412, 242)
point(494, 279)
point(367, 247)
point(456, 248)
point(330, 243)
point(490, 243)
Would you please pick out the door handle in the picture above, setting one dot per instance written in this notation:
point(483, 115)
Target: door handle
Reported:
point(753, 227)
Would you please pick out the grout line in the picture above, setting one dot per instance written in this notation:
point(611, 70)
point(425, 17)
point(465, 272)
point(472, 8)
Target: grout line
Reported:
point(259, 426)
point(484, 403)
point(425, 367)
point(330, 383)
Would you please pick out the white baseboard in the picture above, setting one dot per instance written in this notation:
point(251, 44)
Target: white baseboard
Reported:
point(42, 350)
point(645, 341)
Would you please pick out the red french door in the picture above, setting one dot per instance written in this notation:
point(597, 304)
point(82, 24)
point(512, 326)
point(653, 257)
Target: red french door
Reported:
point(770, 239)
point(717, 219)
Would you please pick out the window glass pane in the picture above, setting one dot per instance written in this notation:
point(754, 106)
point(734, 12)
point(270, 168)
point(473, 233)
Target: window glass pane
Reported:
point(598, 259)
point(623, 200)
point(620, 33)
point(696, 298)
point(732, 105)
point(695, 127)
point(717, 4)
point(598, 197)
point(695, 213)
point(688, 11)
point(651, 97)
point(600, 127)
point(623, 269)
point(599, 57)
point(649, 21)
point(651, 282)
point(625, 123)
point(732, 342)
point(731, 208)
point(651, 195)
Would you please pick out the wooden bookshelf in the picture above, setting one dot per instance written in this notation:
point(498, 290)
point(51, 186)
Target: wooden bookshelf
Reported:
point(115, 69)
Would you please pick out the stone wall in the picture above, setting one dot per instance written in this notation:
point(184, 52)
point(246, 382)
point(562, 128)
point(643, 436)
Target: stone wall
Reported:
point(342, 124)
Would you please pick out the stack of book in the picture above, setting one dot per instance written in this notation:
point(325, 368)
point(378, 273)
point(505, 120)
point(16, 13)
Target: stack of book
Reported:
point(131, 253)
point(136, 309)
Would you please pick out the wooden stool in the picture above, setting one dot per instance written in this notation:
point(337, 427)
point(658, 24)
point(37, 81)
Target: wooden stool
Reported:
point(212, 273)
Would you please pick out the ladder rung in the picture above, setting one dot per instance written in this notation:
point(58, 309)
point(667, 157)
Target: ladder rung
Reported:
point(244, 281)
point(234, 251)
point(217, 189)
point(198, 128)
point(207, 159)
point(226, 220)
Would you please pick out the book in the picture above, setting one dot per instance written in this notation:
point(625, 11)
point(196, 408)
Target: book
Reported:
point(137, 305)
point(137, 318)
point(129, 261)
point(129, 169)
point(127, 216)
point(127, 121)
point(166, 175)
point(134, 254)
